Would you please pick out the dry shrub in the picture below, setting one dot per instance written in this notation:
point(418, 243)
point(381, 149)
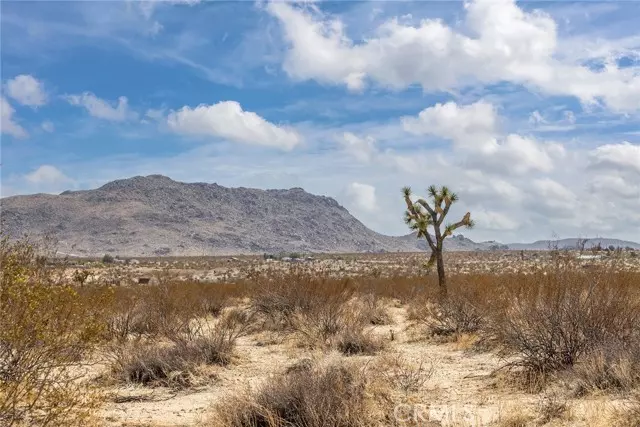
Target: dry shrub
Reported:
point(452, 316)
point(215, 345)
point(625, 415)
point(551, 321)
point(335, 395)
point(374, 310)
point(356, 341)
point(551, 407)
point(176, 364)
point(612, 366)
point(404, 288)
point(152, 365)
point(515, 419)
point(45, 331)
point(318, 309)
point(166, 309)
point(405, 375)
point(283, 297)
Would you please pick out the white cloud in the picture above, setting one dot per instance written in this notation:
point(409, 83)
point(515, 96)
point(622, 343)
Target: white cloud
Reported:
point(625, 155)
point(363, 149)
point(362, 196)
point(228, 120)
point(27, 90)
point(467, 125)
point(102, 109)
point(617, 185)
point(48, 126)
point(492, 220)
point(555, 197)
point(7, 124)
point(47, 175)
point(155, 114)
point(478, 187)
point(498, 42)
point(536, 118)
point(473, 131)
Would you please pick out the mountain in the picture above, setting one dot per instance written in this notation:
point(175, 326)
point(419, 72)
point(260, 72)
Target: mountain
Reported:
point(454, 243)
point(155, 215)
point(572, 243)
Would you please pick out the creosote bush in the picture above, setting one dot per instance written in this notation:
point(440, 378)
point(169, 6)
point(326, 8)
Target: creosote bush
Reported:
point(45, 331)
point(356, 341)
point(175, 364)
point(554, 320)
point(152, 365)
point(166, 309)
point(319, 310)
point(610, 366)
point(313, 396)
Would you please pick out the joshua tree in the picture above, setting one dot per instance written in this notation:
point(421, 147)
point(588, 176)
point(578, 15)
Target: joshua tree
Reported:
point(421, 215)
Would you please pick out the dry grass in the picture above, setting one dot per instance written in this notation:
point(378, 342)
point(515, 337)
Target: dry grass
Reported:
point(629, 416)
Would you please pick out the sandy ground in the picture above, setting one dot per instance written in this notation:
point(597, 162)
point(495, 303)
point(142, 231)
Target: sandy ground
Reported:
point(461, 391)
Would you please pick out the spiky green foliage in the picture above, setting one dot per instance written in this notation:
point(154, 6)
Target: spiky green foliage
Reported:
point(421, 215)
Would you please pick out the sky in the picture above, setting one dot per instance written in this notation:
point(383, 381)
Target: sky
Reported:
point(529, 111)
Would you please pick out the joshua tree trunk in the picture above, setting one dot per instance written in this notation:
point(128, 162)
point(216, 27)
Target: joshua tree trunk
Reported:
point(442, 278)
point(420, 215)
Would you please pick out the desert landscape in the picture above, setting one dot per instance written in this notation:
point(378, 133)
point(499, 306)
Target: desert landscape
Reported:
point(525, 338)
point(303, 213)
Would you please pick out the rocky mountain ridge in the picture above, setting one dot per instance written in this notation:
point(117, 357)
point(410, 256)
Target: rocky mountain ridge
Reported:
point(155, 215)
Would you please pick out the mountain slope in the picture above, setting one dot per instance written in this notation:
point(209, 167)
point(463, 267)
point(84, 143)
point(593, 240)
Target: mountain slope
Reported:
point(155, 215)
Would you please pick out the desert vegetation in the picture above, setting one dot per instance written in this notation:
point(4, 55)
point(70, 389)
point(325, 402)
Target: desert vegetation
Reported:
point(364, 340)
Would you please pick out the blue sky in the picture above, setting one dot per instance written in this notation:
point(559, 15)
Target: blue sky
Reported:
point(529, 110)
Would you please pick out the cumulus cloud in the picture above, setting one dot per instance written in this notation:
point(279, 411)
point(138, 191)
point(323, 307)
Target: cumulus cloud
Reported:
point(467, 125)
point(492, 220)
point(362, 196)
point(625, 155)
point(228, 120)
point(27, 90)
point(617, 185)
point(363, 149)
point(47, 175)
point(102, 109)
point(7, 123)
point(473, 131)
point(498, 42)
point(554, 198)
